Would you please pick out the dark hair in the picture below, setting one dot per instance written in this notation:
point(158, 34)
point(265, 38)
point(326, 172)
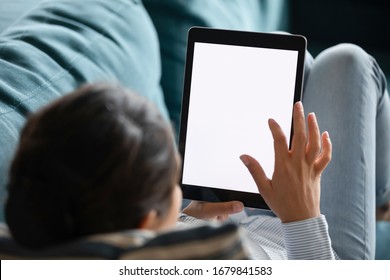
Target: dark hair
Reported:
point(96, 160)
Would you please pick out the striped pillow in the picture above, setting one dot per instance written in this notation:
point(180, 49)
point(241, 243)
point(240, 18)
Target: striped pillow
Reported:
point(205, 242)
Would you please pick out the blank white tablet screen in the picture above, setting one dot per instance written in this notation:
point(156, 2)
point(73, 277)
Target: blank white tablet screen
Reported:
point(234, 91)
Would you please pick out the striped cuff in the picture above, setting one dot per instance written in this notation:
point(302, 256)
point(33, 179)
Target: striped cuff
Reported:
point(308, 240)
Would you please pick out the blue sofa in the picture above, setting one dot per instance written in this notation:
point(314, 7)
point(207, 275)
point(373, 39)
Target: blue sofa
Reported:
point(52, 47)
point(49, 48)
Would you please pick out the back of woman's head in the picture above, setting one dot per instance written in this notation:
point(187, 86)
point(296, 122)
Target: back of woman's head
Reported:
point(96, 160)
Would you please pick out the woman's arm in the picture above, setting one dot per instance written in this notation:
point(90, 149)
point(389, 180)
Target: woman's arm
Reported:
point(293, 193)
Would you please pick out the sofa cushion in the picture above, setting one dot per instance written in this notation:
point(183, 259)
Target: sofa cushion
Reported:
point(14, 9)
point(173, 19)
point(382, 251)
point(205, 242)
point(62, 44)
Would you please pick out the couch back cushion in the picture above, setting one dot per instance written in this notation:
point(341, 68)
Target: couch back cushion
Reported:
point(173, 19)
point(13, 9)
point(62, 44)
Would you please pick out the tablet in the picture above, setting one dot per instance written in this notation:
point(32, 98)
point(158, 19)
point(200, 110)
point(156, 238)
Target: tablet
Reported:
point(234, 82)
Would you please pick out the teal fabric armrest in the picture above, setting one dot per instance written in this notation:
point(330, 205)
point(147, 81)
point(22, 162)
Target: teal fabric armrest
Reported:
point(62, 44)
point(382, 251)
point(13, 9)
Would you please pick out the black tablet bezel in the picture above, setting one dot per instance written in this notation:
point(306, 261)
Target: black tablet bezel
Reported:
point(237, 38)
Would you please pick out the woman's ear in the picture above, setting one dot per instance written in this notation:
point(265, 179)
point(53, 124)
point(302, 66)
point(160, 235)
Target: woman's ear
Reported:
point(163, 221)
point(150, 221)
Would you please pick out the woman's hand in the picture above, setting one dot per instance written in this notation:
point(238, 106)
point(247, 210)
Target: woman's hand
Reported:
point(294, 191)
point(213, 210)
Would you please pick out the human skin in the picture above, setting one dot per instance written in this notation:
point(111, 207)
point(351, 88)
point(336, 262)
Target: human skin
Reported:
point(293, 193)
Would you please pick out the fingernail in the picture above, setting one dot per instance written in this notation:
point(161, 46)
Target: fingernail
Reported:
point(312, 115)
point(326, 133)
point(299, 105)
point(244, 160)
point(238, 207)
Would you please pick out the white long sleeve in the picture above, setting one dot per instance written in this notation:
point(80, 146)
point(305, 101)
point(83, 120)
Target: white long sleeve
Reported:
point(265, 237)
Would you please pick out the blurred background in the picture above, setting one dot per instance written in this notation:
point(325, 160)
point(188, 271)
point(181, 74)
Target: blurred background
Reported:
point(326, 23)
